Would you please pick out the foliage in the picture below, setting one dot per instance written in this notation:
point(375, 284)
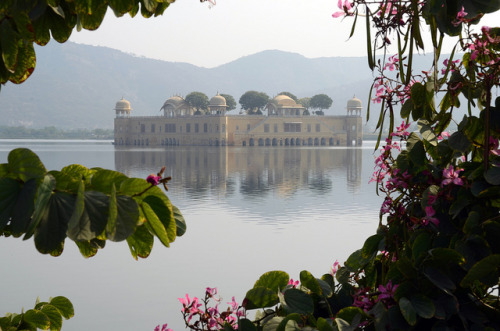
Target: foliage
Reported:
point(305, 102)
point(434, 262)
point(51, 132)
point(89, 206)
point(230, 102)
point(288, 94)
point(197, 100)
point(253, 102)
point(320, 101)
point(44, 316)
point(23, 23)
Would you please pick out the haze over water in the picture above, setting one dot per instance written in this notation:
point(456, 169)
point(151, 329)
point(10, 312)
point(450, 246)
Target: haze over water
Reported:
point(248, 211)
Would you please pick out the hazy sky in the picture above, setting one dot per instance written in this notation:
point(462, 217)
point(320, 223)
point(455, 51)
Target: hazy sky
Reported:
point(190, 31)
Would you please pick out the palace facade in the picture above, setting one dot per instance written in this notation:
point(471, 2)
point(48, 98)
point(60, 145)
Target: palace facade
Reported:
point(286, 124)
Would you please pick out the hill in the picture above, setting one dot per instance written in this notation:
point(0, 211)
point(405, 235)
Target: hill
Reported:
point(77, 86)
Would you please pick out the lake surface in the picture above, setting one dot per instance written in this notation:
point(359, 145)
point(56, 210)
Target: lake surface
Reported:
point(248, 211)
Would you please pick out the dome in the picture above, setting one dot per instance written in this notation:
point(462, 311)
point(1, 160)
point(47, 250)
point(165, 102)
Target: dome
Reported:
point(284, 100)
point(123, 105)
point(175, 100)
point(354, 103)
point(218, 100)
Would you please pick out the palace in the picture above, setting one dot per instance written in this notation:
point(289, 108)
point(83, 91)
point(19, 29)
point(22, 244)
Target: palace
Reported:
point(286, 124)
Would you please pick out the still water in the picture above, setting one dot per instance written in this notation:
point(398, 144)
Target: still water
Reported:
point(248, 211)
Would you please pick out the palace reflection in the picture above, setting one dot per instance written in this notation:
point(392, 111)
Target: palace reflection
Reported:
point(250, 171)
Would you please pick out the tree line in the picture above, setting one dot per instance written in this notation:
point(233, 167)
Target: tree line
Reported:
point(51, 132)
point(254, 102)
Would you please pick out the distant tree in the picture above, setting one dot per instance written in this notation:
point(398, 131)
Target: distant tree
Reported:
point(253, 102)
point(320, 101)
point(288, 94)
point(230, 102)
point(197, 100)
point(305, 102)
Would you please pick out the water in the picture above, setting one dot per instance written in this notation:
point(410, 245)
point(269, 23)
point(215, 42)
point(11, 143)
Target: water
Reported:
point(248, 211)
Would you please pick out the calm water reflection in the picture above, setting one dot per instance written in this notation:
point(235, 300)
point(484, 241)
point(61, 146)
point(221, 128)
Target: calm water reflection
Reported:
point(248, 210)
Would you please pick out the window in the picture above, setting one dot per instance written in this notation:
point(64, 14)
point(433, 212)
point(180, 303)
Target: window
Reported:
point(237, 127)
point(188, 127)
point(196, 127)
point(223, 128)
point(292, 127)
point(248, 127)
point(266, 127)
point(143, 127)
point(170, 128)
point(318, 127)
point(205, 127)
point(308, 127)
point(275, 127)
point(153, 128)
point(216, 127)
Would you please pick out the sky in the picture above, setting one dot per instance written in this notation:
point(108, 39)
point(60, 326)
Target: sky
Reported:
point(208, 36)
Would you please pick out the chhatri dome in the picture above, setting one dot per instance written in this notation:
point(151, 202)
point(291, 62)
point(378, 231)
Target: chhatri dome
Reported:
point(218, 101)
point(123, 108)
point(354, 106)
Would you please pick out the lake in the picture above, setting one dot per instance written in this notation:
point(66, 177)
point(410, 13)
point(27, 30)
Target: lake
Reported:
point(248, 210)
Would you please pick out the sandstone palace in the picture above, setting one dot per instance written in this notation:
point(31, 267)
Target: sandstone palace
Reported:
point(286, 124)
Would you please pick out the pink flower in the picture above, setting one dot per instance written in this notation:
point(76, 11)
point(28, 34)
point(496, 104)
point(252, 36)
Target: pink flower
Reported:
point(211, 291)
point(429, 212)
point(335, 267)
point(387, 291)
point(185, 302)
point(443, 135)
point(346, 9)
point(392, 63)
point(293, 283)
point(233, 304)
point(153, 179)
point(452, 176)
point(401, 130)
point(494, 147)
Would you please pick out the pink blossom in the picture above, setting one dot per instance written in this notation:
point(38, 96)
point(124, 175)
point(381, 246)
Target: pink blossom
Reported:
point(293, 283)
point(233, 304)
point(392, 63)
point(401, 130)
point(443, 135)
point(460, 17)
point(387, 291)
point(386, 206)
point(335, 268)
point(185, 302)
point(494, 146)
point(451, 176)
point(153, 179)
point(429, 212)
point(211, 291)
point(346, 7)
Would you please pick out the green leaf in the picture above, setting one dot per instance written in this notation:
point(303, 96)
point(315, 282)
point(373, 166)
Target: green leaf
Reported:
point(245, 324)
point(180, 223)
point(36, 319)
point(421, 245)
point(459, 142)
point(285, 325)
point(93, 219)
point(342, 275)
point(25, 164)
point(54, 316)
point(355, 262)
point(141, 242)
point(492, 176)
point(63, 305)
point(298, 302)
point(417, 154)
point(272, 324)
point(161, 206)
point(273, 280)
point(408, 311)
point(439, 279)
point(484, 271)
point(472, 224)
point(155, 224)
point(9, 42)
point(371, 246)
point(23, 209)
point(423, 306)
point(103, 179)
point(351, 316)
point(44, 194)
point(260, 297)
point(407, 108)
point(310, 282)
point(123, 217)
point(51, 231)
point(323, 325)
point(9, 191)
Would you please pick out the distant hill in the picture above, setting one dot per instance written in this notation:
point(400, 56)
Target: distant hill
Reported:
point(77, 86)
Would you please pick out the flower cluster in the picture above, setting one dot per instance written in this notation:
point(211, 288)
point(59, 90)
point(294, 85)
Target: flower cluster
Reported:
point(199, 315)
point(157, 179)
point(365, 299)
